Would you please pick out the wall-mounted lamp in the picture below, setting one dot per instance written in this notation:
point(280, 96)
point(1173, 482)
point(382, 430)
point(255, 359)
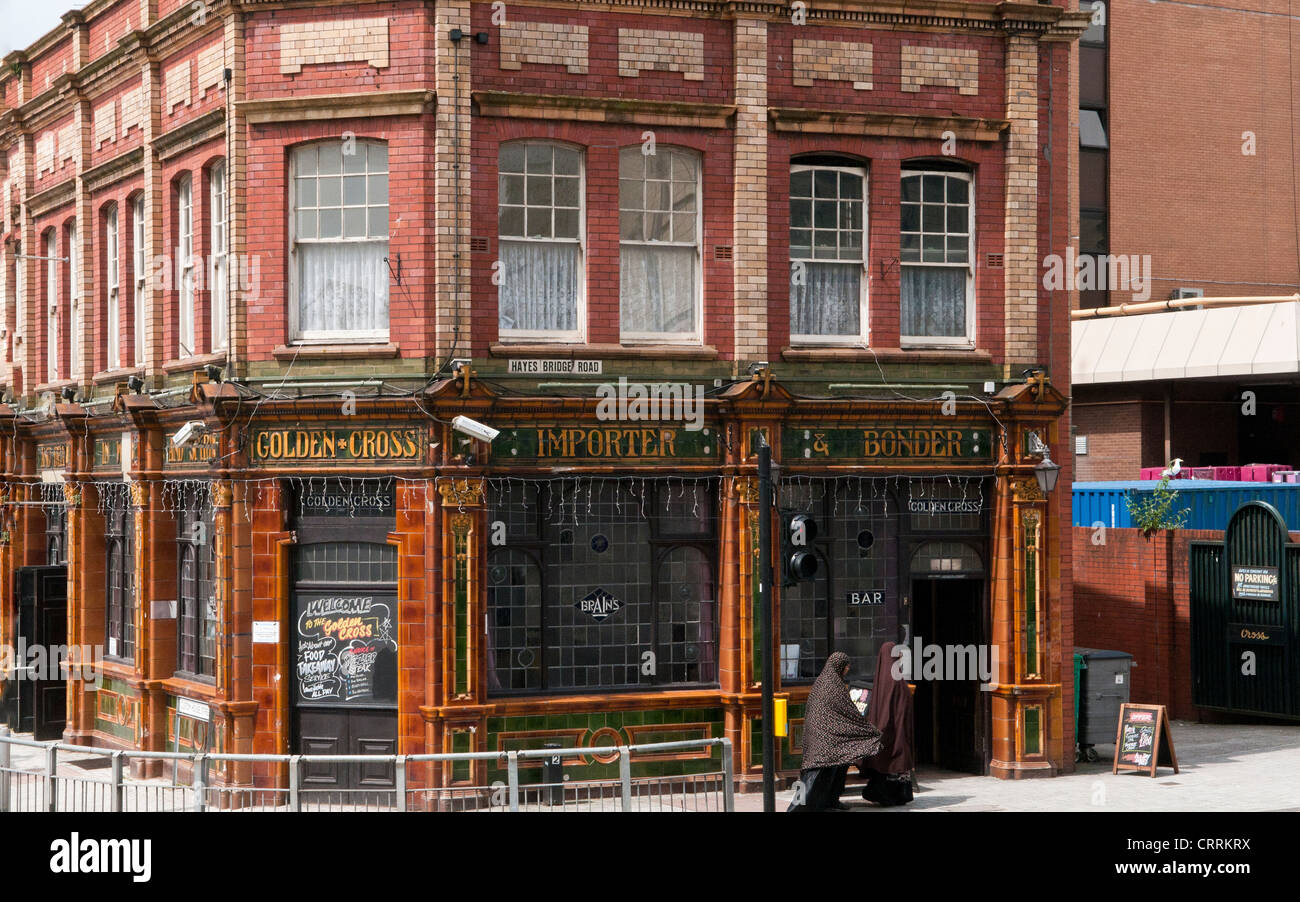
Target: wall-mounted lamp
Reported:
point(1046, 472)
point(135, 383)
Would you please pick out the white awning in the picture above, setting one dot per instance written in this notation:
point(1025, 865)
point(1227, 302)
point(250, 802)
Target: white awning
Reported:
point(1254, 340)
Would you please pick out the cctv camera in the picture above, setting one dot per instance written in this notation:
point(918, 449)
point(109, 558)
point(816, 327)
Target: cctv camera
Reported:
point(188, 432)
point(474, 429)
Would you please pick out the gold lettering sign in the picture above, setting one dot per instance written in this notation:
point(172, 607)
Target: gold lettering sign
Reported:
point(199, 451)
point(108, 453)
point(53, 456)
point(911, 442)
point(399, 443)
point(612, 442)
point(606, 442)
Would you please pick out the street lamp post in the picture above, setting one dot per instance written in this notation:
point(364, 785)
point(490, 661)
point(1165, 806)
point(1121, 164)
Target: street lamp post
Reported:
point(765, 618)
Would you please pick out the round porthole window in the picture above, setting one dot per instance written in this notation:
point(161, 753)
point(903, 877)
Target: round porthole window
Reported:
point(599, 544)
point(865, 540)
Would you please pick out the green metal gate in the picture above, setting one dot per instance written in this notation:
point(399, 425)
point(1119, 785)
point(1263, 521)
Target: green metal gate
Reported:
point(1245, 616)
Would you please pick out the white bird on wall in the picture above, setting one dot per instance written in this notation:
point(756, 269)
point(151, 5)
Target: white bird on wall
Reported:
point(1173, 469)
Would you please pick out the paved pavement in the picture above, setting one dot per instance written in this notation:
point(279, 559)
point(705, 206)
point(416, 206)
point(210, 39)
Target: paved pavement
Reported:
point(1221, 768)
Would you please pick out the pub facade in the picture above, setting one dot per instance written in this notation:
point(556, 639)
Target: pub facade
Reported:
point(257, 261)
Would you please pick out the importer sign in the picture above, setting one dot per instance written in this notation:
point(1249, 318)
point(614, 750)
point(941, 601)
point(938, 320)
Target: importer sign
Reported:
point(1255, 583)
point(325, 443)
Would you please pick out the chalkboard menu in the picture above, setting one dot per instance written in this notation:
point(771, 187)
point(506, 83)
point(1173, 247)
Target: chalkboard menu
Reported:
point(345, 650)
point(1143, 741)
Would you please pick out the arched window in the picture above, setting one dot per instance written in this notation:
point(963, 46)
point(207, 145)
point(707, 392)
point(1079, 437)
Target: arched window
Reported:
point(340, 242)
point(74, 302)
point(514, 600)
point(540, 232)
point(852, 604)
point(197, 614)
point(659, 245)
point(686, 627)
point(120, 557)
point(938, 258)
point(112, 296)
point(598, 581)
point(56, 534)
point(828, 231)
point(51, 253)
point(140, 275)
point(217, 253)
point(185, 264)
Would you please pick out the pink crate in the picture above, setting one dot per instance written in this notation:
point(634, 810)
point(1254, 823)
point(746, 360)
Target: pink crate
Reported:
point(1203, 473)
point(1262, 472)
point(1152, 472)
point(1287, 476)
point(1231, 474)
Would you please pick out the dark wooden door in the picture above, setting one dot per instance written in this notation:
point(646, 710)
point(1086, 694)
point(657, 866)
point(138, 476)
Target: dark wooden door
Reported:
point(43, 624)
point(949, 712)
point(343, 731)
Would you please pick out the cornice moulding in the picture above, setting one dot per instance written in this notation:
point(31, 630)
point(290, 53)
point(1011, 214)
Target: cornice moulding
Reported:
point(892, 125)
point(188, 136)
point(104, 174)
point(603, 109)
point(335, 106)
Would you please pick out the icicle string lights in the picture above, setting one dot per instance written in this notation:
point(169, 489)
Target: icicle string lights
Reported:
point(566, 498)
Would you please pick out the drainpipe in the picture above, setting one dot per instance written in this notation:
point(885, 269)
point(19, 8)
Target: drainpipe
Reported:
point(1179, 303)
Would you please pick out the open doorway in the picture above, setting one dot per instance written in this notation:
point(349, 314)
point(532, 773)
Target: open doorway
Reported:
point(950, 716)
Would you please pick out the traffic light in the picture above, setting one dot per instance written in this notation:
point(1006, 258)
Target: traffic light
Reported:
point(798, 559)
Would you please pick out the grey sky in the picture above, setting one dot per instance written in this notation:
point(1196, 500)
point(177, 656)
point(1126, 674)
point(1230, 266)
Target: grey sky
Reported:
point(23, 21)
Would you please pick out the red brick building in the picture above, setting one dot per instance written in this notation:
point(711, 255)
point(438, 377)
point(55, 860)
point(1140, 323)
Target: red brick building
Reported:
point(1189, 171)
point(322, 233)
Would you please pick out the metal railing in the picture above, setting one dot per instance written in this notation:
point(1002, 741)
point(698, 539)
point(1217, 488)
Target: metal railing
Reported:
point(384, 783)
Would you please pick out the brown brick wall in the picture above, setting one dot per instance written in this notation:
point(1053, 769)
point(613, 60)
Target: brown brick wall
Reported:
point(1172, 123)
point(1131, 594)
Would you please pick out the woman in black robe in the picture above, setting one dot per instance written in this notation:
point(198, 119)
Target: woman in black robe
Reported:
point(889, 772)
point(835, 736)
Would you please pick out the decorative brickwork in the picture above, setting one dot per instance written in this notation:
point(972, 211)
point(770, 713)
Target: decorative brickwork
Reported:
point(335, 41)
point(44, 154)
point(1021, 218)
point(640, 51)
point(132, 109)
point(105, 123)
point(177, 86)
point(544, 44)
point(941, 67)
point(211, 62)
point(749, 252)
point(67, 142)
point(832, 61)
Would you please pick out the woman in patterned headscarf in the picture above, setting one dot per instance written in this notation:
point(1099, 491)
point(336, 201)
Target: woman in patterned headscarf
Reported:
point(835, 735)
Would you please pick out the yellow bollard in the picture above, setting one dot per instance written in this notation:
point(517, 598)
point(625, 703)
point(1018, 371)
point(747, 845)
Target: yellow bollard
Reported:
point(779, 717)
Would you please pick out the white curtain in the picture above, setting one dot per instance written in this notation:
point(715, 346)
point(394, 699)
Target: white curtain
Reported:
point(934, 301)
point(539, 286)
point(657, 289)
point(342, 287)
point(829, 300)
